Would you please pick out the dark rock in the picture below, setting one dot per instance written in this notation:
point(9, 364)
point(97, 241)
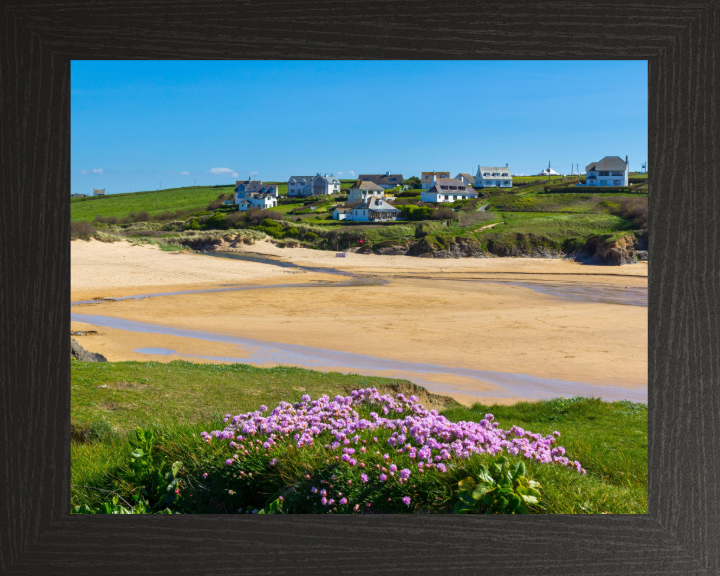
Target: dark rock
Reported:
point(642, 255)
point(79, 353)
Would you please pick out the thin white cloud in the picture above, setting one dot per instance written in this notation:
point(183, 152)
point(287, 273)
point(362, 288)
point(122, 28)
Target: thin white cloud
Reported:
point(83, 171)
point(351, 173)
point(254, 173)
point(98, 170)
point(340, 173)
point(222, 172)
point(184, 173)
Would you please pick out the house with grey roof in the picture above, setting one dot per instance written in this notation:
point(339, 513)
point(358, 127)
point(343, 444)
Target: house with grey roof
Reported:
point(610, 171)
point(363, 190)
point(97, 192)
point(385, 181)
point(373, 209)
point(493, 177)
point(244, 187)
point(318, 185)
point(426, 178)
point(448, 190)
point(466, 178)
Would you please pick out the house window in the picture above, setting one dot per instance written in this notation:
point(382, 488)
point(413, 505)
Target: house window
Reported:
point(604, 173)
point(461, 187)
point(618, 173)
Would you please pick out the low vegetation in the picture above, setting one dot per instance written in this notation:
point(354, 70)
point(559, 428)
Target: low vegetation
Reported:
point(175, 463)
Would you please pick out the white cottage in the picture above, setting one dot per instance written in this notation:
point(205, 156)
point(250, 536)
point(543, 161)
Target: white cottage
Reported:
point(256, 200)
point(493, 177)
point(374, 209)
point(610, 171)
point(448, 190)
point(363, 190)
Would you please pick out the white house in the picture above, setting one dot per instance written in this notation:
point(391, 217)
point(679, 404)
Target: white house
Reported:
point(426, 178)
point(448, 190)
point(385, 181)
point(610, 171)
point(255, 200)
point(98, 192)
point(244, 187)
point(467, 179)
point(318, 185)
point(362, 191)
point(339, 213)
point(374, 209)
point(493, 177)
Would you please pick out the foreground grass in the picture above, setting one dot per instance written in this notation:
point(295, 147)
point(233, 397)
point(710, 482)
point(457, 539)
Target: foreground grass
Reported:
point(178, 400)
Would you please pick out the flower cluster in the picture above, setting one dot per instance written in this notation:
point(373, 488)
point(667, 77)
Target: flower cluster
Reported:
point(423, 435)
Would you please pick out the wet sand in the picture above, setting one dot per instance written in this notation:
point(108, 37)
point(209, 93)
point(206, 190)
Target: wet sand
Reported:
point(475, 316)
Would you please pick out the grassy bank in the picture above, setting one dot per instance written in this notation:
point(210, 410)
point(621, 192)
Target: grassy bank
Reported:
point(175, 402)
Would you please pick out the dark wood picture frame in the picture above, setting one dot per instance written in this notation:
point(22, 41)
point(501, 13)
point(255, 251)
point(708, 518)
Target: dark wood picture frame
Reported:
point(681, 533)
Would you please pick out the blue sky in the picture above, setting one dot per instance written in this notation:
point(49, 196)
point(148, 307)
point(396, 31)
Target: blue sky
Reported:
point(140, 125)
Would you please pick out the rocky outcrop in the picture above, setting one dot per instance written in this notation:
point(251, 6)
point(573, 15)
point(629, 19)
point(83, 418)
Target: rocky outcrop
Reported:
point(79, 353)
point(612, 252)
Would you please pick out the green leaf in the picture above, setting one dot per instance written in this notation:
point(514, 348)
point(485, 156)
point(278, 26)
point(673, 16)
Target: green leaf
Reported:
point(481, 490)
point(484, 476)
point(139, 453)
point(176, 467)
point(467, 484)
point(521, 469)
point(513, 504)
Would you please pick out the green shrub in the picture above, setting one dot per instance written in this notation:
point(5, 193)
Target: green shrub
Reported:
point(412, 212)
point(501, 489)
point(81, 230)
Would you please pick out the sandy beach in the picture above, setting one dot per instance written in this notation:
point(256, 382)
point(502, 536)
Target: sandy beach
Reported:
point(480, 315)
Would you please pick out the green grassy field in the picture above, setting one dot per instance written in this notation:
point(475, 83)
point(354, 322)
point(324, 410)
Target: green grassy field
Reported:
point(120, 205)
point(178, 400)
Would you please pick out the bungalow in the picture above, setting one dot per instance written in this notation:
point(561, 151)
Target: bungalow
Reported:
point(493, 177)
point(244, 187)
point(317, 185)
point(466, 178)
point(385, 181)
point(374, 209)
point(255, 200)
point(339, 213)
point(98, 192)
point(448, 190)
point(78, 195)
point(426, 178)
point(363, 190)
point(610, 171)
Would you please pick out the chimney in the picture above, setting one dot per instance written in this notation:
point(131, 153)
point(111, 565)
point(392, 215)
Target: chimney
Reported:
point(387, 173)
